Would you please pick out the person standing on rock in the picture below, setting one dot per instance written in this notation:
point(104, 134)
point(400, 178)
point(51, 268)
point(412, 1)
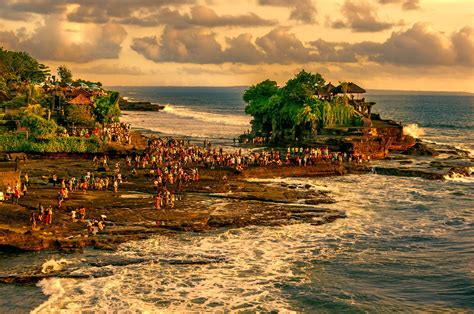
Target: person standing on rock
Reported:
point(49, 215)
point(33, 220)
point(158, 201)
point(115, 185)
point(55, 179)
point(82, 213)
point(16, 195)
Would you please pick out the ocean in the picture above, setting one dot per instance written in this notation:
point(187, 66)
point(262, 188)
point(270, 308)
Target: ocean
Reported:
point(407, 244)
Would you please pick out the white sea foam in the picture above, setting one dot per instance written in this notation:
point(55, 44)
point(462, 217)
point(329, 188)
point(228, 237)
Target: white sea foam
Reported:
point(220, 119)
point(245, 269)
point(413, 130)
point(53, 265)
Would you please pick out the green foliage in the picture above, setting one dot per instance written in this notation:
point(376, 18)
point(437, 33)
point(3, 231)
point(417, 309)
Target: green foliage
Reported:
point(294, 110)
point(18, 143)
point(39, 127)
point(18, 67)
point(64, 74)
point(107, 109)
point(79, 115)
point(34, 109)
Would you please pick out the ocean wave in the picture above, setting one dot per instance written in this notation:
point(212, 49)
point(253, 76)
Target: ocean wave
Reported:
point(413, 130)
point(239, 120)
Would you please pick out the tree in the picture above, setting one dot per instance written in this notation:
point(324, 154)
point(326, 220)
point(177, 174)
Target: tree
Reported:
point(16, 67)
point(107, 108)
point(295, 111)
point(65, 74)
point(260, 105)
point(79, 115)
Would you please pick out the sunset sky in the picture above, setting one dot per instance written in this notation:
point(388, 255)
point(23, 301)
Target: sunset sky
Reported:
point(380, 44)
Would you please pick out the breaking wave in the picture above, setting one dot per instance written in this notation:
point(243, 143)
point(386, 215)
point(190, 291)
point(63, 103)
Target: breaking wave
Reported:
point(413, 130)
point(207, 116)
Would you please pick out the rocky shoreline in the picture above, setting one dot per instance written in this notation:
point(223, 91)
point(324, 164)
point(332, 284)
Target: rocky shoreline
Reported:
point(214, 202)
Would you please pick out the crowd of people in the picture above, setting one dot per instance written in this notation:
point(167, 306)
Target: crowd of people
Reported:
point(169, 165)
point(112, 132)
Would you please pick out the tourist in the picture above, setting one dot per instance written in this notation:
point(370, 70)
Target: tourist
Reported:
point(33, 220)
point(60, 198)
point(55, 179)
point(16, 195)
point(49, 215)
point(158, 201)
point(82, 213)
point(9, 193)
point(115, 185)
point(73, 215)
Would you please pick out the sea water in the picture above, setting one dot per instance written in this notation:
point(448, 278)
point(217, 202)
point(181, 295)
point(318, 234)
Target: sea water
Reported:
point(406, 244)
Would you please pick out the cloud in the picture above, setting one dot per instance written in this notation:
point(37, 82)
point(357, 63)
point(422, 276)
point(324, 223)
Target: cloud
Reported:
point(463, 43)
point(361, 16)
point(302, 10)
point(183, 46)
point(420, 45)
point(200, 46)
point(22, 10)
point(112, 69)
point(53, 41)
point(406, 4)
point(282, 47)
point(199, 16)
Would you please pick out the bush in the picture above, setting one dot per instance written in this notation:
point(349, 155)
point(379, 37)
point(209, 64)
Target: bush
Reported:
point(19, 143)
point(39, 126)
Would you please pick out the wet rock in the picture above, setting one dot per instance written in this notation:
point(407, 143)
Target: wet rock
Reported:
point(421, 149)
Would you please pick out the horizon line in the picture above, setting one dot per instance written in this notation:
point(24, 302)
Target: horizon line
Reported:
point(246, 86)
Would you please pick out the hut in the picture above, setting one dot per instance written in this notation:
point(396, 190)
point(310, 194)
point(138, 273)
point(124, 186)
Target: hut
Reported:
point(348, 88)
point(81, 100)
point(326, 92)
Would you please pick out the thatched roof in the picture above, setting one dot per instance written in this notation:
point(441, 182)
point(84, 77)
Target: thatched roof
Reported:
point(326, 90)
point(348, 88)
point(81, 100)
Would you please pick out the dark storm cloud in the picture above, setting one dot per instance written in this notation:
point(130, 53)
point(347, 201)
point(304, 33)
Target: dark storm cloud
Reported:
point(361, 16)
point(48, 43)
point(302, 10)
point(199, 16)
point(406, 4)
point(417, 46)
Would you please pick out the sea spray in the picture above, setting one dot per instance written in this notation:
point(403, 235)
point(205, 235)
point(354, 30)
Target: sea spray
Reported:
point(53, 265)
point(413, 130)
